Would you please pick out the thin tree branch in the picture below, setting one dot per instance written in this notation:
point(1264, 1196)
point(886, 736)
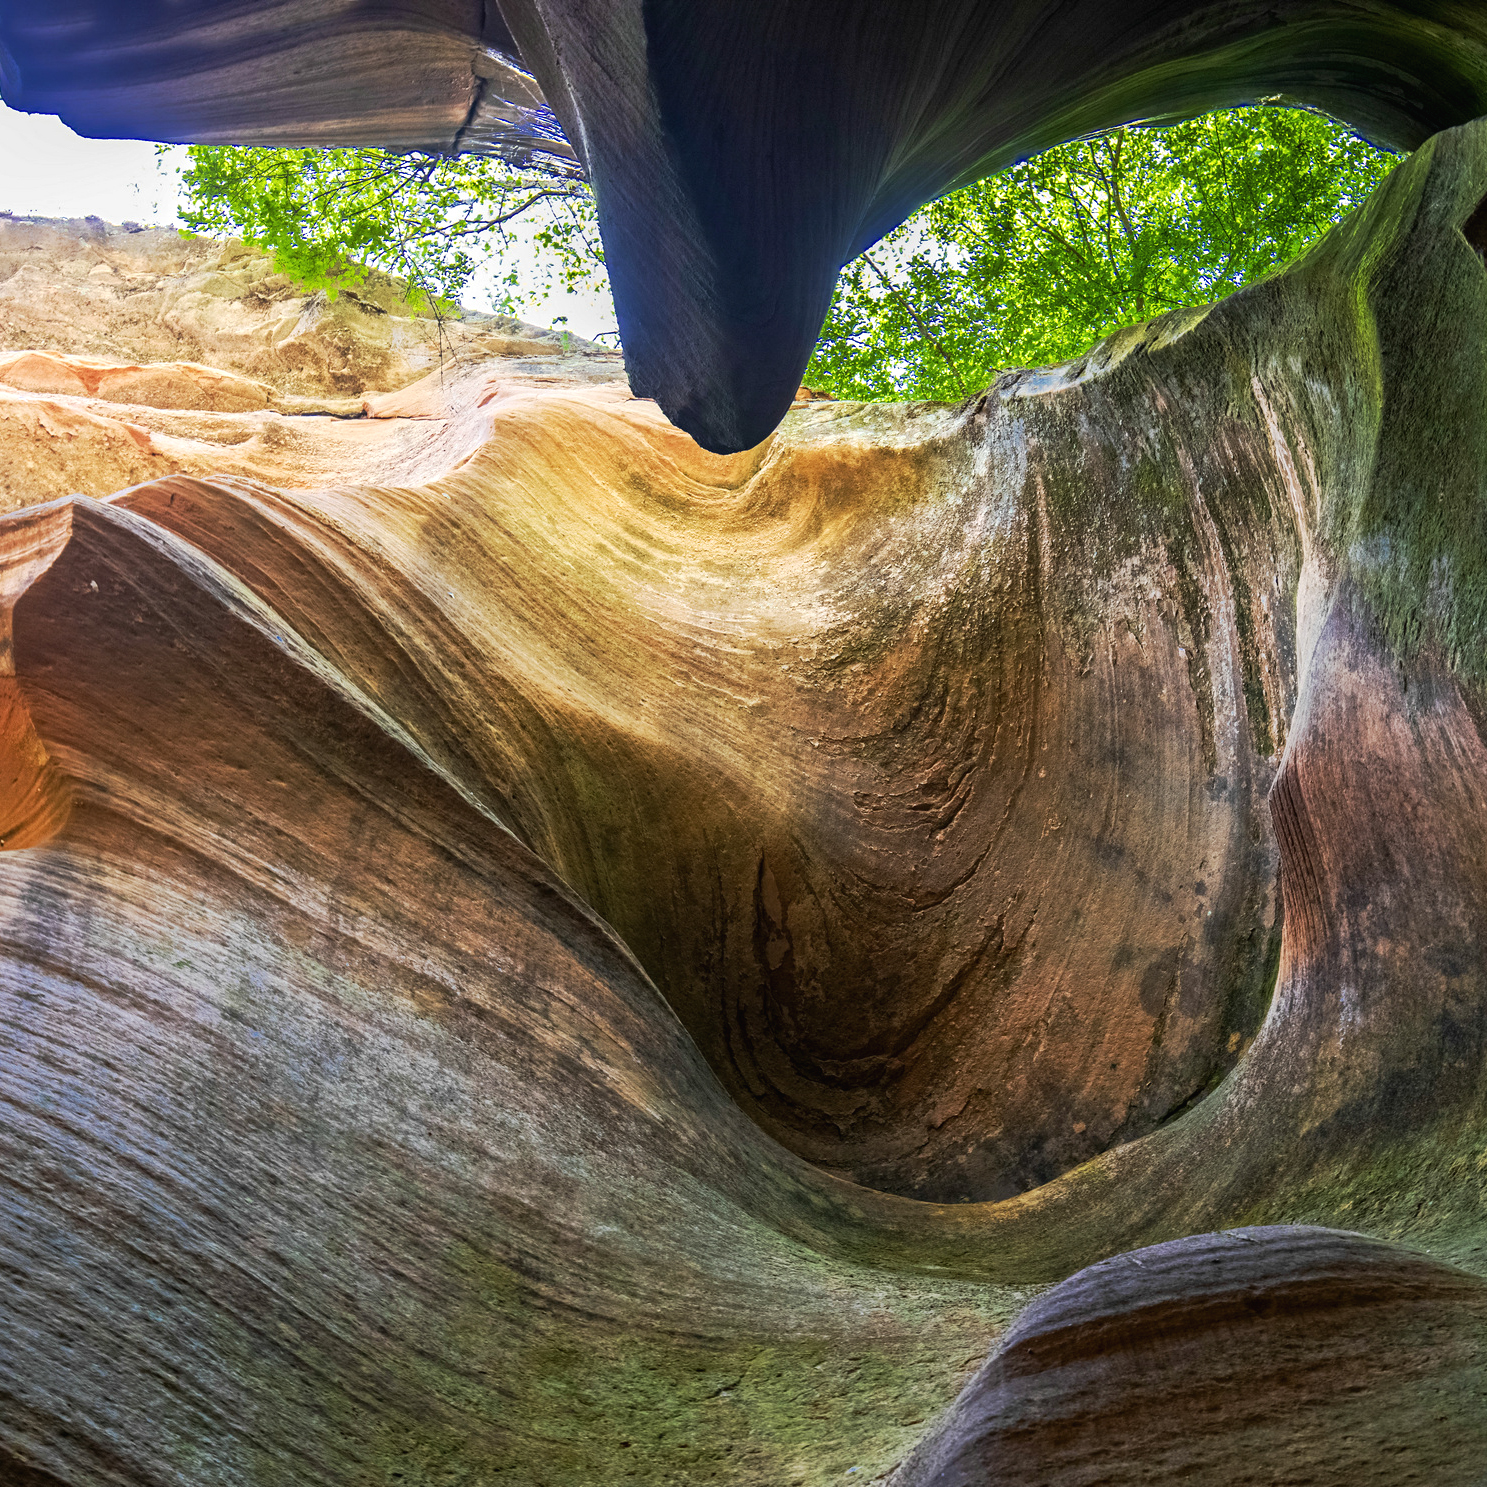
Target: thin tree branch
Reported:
point(929, 335)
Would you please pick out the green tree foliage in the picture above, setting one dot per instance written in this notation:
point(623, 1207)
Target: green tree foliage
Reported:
point(432, 220)
point(1020, 269)
point(1033, 265)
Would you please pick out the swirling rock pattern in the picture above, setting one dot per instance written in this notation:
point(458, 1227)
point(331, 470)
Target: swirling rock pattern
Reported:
point(566, 957)
point(1162, 1365)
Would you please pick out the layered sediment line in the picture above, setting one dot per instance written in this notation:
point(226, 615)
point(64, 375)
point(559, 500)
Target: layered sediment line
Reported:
point(1161, 1365)
point(574, 957)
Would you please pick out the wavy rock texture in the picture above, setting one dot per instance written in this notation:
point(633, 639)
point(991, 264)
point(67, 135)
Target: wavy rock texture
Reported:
point(410, 74)
point(1179, 1346)
point(561, 957)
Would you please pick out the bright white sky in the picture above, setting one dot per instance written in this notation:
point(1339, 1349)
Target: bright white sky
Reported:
point(48, 171)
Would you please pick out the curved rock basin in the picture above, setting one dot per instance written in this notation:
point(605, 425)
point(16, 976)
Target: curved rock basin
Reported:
point(555, 956)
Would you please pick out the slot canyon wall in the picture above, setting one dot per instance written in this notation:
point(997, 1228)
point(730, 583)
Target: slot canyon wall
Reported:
point(944, 946)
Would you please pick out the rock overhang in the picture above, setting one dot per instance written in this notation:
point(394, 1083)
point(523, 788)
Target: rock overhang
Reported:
point(741, 150)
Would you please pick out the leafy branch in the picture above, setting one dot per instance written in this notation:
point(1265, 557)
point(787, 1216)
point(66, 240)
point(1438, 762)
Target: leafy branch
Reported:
point(329, 216)
point(1031, 266)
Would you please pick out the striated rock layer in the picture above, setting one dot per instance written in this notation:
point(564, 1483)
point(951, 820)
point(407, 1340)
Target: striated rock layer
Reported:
point(562, 957)
point(127, 354)
point(400, 74)
point(1181, 1347)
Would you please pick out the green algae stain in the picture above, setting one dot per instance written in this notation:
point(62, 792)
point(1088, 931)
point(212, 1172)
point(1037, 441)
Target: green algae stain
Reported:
point(1407, 298)
point(522, 1388)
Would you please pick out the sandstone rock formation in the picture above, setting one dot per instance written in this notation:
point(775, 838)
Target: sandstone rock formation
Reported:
point(131, 354)
point(1180, 1347)
point(401, 74)
point(541, 953)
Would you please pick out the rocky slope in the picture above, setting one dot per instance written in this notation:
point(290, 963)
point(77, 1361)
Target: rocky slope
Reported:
point(540, 953)
point(130, 353)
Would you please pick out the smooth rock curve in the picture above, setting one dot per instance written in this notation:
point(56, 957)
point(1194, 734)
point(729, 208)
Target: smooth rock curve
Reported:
point(391, 914)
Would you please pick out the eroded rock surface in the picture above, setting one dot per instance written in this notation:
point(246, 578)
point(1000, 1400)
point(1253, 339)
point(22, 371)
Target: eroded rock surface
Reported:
point(409, 74)
point(1162, 1366)
point(559, 955)
point(129, 354)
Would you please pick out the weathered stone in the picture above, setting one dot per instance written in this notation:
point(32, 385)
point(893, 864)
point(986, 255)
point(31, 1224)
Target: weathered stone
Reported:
point(395, 73)
point(474, 912)
point(195, 357)
point(1271, 1354)
point(743, 150)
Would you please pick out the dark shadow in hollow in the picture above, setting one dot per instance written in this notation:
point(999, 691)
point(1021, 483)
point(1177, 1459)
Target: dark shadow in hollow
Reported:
point(1474, 230)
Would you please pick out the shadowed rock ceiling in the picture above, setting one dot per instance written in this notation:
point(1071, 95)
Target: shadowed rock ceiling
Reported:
point(742, 150)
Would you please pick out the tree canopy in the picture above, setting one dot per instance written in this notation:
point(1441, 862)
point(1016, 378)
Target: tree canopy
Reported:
point(1021, 269)
point(1033, 265)
point(432, 220)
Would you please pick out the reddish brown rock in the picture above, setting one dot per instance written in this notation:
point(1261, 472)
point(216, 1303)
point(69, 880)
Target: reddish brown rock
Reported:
point(1279, 1354)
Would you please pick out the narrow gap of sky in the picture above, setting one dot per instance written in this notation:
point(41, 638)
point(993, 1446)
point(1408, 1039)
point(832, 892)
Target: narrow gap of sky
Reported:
point(48, 171)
